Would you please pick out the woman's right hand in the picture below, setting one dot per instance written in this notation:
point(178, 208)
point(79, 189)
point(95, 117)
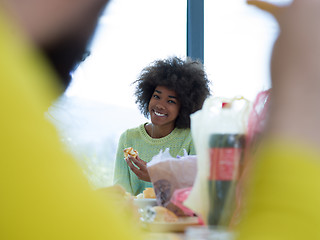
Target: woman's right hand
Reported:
point(139, 167)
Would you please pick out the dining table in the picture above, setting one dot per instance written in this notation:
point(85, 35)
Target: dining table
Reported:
point(200, 232)
point(165, 236)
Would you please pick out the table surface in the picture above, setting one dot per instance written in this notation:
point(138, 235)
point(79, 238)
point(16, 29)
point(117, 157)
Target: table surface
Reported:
point(165, 236)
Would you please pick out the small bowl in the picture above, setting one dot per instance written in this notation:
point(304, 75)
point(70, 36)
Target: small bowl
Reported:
point(145, 202)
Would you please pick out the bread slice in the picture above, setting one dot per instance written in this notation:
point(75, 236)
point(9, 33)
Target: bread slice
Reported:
point(164, 215)
point(149, 193)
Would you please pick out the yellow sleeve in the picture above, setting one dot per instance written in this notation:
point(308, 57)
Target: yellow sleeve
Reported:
point(283, 198)
point(43, 192)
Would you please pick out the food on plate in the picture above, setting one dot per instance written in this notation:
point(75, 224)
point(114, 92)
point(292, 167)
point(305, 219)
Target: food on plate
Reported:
point(164, 215)
point(149, 193)
point(130, 151)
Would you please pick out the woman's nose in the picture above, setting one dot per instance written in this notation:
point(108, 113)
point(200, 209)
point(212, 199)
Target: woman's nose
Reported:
point(160, 106)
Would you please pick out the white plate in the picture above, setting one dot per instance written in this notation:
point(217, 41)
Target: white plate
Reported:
point(145, 202)
point(179, 226)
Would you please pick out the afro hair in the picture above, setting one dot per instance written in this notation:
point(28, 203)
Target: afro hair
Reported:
point(186, 77)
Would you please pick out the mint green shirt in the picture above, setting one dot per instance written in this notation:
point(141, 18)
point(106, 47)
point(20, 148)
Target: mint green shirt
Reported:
point(147, 147)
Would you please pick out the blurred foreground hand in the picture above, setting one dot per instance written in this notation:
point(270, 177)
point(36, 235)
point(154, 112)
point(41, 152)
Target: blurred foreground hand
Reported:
point(124, 200)
point(295, 71)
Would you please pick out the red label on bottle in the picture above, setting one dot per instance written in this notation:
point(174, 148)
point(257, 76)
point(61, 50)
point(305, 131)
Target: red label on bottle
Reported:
point(224, 163)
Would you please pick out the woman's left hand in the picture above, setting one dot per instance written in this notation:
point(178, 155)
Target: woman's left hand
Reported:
point(140, 168)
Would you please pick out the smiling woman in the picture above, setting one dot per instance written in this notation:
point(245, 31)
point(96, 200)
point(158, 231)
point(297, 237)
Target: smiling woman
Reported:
point(167, 92)
point(97, 106)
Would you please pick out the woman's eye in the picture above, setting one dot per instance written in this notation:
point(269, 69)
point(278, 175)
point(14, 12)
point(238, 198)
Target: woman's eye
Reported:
point(156, 96)
point(171, 101)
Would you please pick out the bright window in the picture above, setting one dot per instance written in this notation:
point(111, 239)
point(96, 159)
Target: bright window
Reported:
point(238, 39)
point(99, 104)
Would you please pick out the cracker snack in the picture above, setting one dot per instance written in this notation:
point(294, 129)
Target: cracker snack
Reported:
point(130, 151)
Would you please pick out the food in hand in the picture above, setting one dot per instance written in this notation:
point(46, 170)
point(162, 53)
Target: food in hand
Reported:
point(130, 151)
point(149, 193)
point(164, 215)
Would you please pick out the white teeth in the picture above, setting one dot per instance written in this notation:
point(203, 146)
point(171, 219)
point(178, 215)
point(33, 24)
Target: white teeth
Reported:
point(159, 114)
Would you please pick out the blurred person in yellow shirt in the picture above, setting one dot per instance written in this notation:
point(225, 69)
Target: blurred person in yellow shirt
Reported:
point(43, 192)
point(283, 192)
